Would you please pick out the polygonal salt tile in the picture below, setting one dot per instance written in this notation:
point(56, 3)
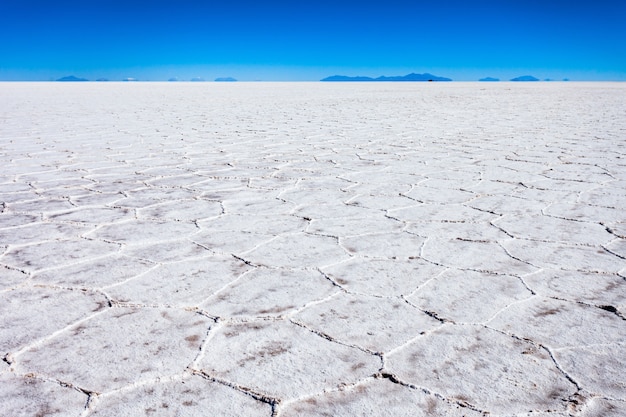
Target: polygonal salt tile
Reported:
point(143, 197)
point(440, 213)
point(455, 361)
point(13, 187)
point(559, 324)
point(183, 396)
point(41, 205)
point(375, 397)
point(384, 245)
point(281, 359)
point(586, 213)
point(269, 292)
point(119, 347)
point(562, 185)
point(617, 247)
point(375, 203)
point(40, 232)
point(27, 396)
point(567, 257)
point(182, 284)
point(376, 324)
point(383, 277)
point(599, 369)
point(604, 197)
point(272, 183)
point(229, 241)
point(11, 277)
point(53, 254)
point(554, 229)
point(258, 223)
point(255, 206)
point(592, 288)
point(578, 172)
point(618, 229)
point(172, 251)
point(599, 407)
point(352, 226)
point(99, 215)
point(334, 210)
point(143, 231)
point(95, 273)
point(478, 256)
point(480, 232)
point(30, 314)
point(311, 198)
point(15, 219)
point(182, 210)
point(546, 197)
point(437, 195)
point(455, 182)
point(505, 204)
point(178, 181)
point(379, 190)
point(297, 250)
point(468, 296)
point(21, 197)
point(96, 199)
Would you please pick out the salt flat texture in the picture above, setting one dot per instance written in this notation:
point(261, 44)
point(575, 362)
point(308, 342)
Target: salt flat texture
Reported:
point(306, 249)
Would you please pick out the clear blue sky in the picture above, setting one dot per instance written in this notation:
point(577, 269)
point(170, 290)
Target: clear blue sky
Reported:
point(308, 40)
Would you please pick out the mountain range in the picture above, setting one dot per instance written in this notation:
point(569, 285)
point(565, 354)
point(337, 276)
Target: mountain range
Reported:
point(409, 77)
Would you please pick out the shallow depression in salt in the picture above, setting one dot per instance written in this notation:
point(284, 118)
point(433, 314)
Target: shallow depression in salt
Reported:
point(304, 249)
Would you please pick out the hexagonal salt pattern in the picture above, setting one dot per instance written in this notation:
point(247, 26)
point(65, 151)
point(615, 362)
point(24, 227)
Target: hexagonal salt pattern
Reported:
point(28, 396)
point(180, 396)
point(457, 362)
point(376, 397)
point(372, 324)
point(126, 356)
point(282, 360)
point(302, 249)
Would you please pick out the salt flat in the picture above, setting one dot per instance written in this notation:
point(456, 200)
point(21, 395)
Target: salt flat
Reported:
point(305, 249)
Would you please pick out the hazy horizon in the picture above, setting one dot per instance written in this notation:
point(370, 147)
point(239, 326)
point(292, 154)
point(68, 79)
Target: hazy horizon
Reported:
point(283, 41)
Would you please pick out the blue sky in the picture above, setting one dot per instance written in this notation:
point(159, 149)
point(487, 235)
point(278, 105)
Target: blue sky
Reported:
point(309, 40)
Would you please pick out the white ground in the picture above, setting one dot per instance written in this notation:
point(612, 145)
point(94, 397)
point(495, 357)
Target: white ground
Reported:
point(313, 249)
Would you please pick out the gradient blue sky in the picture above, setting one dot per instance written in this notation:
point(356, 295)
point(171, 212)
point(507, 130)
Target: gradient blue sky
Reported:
point(309, 40)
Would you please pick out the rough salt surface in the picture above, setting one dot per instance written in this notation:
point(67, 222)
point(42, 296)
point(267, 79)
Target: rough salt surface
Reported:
point(312, 249)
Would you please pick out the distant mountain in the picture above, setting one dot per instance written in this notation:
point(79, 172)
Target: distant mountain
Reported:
point(408, 77)
point(102, 79)
point(346, 78)
point(225, 79)
point(129, 79)
point(525, 78)
point(72, 78)
point(197, 79)
point(173, 79)
point(489, 79)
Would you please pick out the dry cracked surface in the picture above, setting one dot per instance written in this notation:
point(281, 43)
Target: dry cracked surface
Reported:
point(313, 249)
